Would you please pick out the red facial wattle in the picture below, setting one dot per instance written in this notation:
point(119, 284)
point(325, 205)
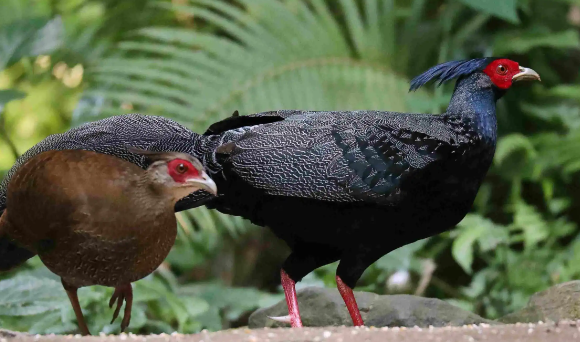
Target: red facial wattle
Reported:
point(181, 170)
point(502, 71)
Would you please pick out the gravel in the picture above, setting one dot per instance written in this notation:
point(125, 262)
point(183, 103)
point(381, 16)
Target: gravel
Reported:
point(528, 332)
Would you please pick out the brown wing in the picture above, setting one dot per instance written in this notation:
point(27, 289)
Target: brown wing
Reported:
point(58, 193)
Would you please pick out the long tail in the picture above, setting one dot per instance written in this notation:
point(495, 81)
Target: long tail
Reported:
point(11, 255)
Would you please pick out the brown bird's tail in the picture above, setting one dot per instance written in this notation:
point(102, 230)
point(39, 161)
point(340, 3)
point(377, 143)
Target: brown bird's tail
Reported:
point(11, 255)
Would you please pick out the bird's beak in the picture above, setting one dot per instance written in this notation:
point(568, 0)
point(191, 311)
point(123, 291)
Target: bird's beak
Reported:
point(203, 183)
point(526, 74)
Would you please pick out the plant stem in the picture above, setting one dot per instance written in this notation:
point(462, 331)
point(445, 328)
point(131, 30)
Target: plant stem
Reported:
point(4, 135)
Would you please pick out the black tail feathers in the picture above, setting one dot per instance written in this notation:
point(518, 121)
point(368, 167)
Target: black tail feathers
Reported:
point(11, 255)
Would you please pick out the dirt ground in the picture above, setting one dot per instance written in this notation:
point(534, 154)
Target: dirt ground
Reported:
point(562, 331)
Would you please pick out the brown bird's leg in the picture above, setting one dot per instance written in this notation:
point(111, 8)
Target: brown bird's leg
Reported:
point(291, 300)
point(350, 301)
point(123, 292)
point(71, 291)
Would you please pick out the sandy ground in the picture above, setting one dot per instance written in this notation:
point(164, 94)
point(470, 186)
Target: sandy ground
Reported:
point(563, 331)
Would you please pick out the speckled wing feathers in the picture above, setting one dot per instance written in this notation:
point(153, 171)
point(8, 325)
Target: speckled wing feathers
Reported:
point(339, 156)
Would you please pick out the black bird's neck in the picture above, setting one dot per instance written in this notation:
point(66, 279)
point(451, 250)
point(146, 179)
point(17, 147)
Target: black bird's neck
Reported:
point(473, 102)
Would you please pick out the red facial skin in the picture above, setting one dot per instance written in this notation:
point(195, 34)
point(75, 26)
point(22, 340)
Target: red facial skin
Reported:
point(181, 170)
point(501, 72)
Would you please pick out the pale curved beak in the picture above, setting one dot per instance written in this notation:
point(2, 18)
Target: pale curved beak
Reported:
point(203, 183)
point(526, 74)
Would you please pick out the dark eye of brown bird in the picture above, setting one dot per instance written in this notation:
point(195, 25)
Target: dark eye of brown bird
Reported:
point(181, 168)
point(502, 70)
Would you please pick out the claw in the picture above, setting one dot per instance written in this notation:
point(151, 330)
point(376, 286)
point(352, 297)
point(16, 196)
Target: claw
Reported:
point(125, 322)
point(283, 319)
point(122, 294)
point(118, 308)
point(113, 298)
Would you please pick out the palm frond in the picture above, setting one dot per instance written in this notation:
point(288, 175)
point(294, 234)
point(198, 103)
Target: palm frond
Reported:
point(269, 55)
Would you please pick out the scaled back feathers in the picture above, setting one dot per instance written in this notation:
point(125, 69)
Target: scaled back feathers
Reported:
point(450, 70)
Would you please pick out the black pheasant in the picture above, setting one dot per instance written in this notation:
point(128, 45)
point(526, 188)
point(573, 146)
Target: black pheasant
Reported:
point(349, 186)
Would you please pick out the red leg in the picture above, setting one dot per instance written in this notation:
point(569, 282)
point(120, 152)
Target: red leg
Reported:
point(350, 301)
point(290, 292)
point(124, 292)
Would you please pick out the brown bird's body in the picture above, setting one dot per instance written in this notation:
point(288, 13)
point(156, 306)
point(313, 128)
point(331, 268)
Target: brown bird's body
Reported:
point(94, 219)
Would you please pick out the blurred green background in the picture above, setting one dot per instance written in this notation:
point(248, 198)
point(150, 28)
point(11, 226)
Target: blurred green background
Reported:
point(66, 62)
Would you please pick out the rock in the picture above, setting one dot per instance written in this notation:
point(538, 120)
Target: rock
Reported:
point(324, 307)
point(554, 304)
point(12, 334)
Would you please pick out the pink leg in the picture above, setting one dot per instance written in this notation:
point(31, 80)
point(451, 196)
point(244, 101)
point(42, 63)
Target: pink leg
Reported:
point(290, 292)
point(350, 301)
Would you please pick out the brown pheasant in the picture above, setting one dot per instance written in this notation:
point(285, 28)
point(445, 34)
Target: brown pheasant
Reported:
point(95, 219)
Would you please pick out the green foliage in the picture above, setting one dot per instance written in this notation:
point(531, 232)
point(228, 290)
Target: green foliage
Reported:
point(505, 9)
point(278, 59)
point(9, 95)
point(197, 61)
point(28, 38)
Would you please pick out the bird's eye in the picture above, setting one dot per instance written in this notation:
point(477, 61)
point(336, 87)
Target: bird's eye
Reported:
point(181, 168)
point(502, 70)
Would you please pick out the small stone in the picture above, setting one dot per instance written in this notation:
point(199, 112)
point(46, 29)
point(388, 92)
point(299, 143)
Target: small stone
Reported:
point(326, 334)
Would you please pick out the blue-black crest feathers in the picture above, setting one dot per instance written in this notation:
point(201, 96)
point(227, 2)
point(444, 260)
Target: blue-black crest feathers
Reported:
point(450, 70)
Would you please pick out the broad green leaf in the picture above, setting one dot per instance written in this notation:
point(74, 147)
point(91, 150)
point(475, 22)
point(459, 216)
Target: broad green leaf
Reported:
point(533, 226)
point(513, 142)
point(28, 38)
point(523, 42)
point(400, 258)
point(475, 228)
point(566, 114)
point(503, 9)
point(9, 95)
point(566, 91)
point(25, 295)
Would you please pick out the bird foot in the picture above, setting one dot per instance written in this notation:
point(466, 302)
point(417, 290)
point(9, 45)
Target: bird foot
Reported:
point(350, 301)
point(291, 299)
point(122, 293)
point(282, 319)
